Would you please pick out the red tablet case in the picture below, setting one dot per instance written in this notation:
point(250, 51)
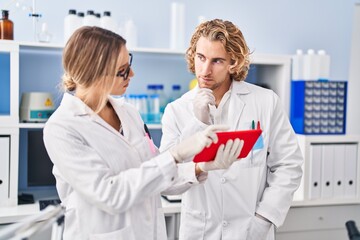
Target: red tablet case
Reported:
point(249, 136)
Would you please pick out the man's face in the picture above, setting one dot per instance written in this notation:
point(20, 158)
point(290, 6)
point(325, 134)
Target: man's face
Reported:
point(212, 64)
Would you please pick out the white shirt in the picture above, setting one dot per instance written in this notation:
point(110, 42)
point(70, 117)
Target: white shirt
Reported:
point(109, 183)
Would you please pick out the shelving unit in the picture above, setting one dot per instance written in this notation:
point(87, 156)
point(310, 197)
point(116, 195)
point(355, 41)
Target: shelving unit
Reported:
point(306, 195)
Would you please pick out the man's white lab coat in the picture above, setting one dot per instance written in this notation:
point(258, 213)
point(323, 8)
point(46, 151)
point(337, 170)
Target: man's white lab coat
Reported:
point(263, 182)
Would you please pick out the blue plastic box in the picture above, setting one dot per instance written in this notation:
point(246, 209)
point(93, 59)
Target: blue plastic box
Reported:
point(318, 107)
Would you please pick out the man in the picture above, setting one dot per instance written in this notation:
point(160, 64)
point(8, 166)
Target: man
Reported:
point(255, 193)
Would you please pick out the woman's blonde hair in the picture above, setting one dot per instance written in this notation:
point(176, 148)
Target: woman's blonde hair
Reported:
point(90, 61)
point(233, 41)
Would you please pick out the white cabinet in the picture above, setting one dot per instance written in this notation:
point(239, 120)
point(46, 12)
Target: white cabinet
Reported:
point(318, 222)
point(4, 170)
point(8, 166)
point(331, 169)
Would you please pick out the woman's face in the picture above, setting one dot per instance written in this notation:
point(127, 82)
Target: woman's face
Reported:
point(121, 84)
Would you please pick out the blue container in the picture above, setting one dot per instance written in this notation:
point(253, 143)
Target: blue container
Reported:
point(4, 84)
point(318, 107)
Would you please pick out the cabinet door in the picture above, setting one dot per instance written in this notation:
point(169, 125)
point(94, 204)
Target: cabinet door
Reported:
point(4, 168)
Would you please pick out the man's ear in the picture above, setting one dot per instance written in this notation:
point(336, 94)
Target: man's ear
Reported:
point(231, 69)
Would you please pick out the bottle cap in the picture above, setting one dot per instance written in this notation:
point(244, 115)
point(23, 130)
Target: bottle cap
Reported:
point(90, 12)
point(176, 87)
point(321, 52)
point(299, 52)
point(80, 14)
point(72, 11)
point(310, 51)
point(98, 15)
point(107, 13)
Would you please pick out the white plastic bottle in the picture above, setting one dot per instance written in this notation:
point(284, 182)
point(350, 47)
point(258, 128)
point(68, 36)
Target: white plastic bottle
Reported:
point(297, 67)
point(81, 16)
point(130, 34)
point(311, 65)
point(71, 23)
point(98, 17)
point(324, 65)
point(108, 22)
point(90, 19)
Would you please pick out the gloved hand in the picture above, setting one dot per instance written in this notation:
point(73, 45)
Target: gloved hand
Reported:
point(225, 156)
point(195, 143)
point(201, 102)
point(259, 229)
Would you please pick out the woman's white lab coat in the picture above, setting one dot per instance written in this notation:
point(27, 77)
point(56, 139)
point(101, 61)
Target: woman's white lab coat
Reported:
point(106, 180)
point(264, 182)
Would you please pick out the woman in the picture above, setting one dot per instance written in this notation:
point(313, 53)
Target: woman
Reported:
point(109, 175)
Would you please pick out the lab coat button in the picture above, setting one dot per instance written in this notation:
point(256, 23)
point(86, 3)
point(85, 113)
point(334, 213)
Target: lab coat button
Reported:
point(225, 223)
point(223, 180)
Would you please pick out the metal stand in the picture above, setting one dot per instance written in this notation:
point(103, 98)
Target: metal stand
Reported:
point(35, 16)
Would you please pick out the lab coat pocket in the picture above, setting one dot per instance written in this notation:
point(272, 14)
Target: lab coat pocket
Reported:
point(125, 233)
point(195, 224)
point(146, 148)
point(257, 155)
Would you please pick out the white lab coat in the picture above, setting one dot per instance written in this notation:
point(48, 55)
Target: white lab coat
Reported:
point(110, 184)
point(264, 182)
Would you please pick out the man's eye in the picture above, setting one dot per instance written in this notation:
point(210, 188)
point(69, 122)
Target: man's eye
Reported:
point(201, 57)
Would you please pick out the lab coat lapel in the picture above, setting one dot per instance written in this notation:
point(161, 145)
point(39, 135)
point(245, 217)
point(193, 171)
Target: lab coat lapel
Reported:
point(236, 105)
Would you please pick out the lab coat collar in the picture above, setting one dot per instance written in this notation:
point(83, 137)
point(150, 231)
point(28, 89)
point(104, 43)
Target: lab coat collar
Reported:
point(79, 108)
point(74, 105)
point(236, 105)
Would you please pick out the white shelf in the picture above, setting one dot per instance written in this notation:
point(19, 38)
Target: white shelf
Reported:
point(31, 125)
point(41, 125)
point(137, 49)
point(325, 202)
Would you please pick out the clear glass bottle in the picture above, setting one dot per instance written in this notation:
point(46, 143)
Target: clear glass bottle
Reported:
point(175, 93)
point(154, 115)
point(6, 26)
point(44, 35)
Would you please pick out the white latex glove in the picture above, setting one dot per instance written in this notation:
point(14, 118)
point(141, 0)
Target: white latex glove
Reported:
point(225, 156)
point(201, 102)
point(195, 143)
point(259, 229)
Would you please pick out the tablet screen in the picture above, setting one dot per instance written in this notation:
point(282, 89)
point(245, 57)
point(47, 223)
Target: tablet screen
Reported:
point(249, 136)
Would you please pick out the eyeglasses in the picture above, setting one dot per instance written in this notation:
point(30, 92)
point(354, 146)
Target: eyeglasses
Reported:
point(125, 73)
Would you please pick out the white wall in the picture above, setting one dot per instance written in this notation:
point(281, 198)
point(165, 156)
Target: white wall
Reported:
point(278, 27)
point(353, 110)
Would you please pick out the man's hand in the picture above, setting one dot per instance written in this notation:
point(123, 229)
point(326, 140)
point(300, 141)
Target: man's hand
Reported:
point(201, 102)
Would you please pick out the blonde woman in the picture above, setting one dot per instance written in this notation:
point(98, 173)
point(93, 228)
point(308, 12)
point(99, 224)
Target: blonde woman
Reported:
point(109, 175)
